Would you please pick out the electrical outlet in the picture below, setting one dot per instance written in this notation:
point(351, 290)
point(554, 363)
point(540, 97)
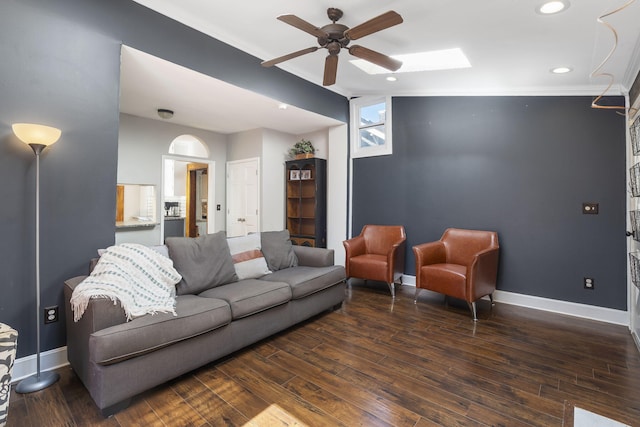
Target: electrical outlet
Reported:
point(51, 314)
point(589, 283)
point(590, 208)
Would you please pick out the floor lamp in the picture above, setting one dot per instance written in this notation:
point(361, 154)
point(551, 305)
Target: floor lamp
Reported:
point(38, 137)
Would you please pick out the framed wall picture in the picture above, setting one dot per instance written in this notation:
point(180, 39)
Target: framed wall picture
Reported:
point(294, 174)
point(305, 174)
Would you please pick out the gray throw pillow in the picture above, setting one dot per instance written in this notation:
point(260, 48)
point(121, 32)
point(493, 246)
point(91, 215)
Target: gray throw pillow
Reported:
point(204, 262)
point(278, 250)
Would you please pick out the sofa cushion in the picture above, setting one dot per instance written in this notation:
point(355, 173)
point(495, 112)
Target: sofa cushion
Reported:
point(203, 262)
point(247, 257)
point(307, 280)
point(148, 333)
point(250, 296)
point(278, 250)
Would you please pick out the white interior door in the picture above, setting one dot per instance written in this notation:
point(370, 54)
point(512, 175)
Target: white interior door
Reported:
point(243, 197)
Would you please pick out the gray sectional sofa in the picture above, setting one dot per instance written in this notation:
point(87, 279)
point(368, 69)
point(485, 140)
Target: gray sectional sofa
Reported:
point(216, 314)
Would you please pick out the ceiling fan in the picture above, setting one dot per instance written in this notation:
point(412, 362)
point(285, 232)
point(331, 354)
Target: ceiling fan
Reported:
point(334, 37)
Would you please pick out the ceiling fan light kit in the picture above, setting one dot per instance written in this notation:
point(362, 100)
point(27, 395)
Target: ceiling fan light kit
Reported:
point(334, 37)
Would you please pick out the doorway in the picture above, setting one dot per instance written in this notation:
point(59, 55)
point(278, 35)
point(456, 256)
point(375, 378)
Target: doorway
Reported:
point(197, 201)
point(187, 196)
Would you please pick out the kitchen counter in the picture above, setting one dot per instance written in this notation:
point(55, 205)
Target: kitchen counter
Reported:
point(136, 223)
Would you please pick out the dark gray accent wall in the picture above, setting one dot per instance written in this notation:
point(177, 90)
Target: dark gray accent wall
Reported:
point(60, 66)
point(522, 166)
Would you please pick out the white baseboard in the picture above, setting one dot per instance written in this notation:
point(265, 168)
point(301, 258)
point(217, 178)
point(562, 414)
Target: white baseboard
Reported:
point(26, 366)
point(602, 314)
point(56, 358)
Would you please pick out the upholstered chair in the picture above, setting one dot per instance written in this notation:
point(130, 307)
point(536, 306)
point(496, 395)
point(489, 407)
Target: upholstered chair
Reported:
point(377, 254)
point(463, 264)
point(8, 344)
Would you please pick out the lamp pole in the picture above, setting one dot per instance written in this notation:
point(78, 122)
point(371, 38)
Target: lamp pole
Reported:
point(40, 380)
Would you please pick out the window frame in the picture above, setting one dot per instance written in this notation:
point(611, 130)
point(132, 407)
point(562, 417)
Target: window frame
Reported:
point(356, 105)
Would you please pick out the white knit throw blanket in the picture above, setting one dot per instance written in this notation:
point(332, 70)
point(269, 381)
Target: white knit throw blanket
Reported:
point(140, 278)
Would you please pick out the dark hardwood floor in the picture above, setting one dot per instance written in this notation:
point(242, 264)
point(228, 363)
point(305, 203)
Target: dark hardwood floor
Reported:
point(379, 362)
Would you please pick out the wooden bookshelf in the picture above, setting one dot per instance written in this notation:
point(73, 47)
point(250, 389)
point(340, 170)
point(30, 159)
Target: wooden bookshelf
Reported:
point(306, 211)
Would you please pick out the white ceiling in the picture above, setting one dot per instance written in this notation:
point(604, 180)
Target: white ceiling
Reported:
point(511, 48)
point(197, 100)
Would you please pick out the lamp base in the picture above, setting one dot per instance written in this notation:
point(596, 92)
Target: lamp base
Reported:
point(37, 382)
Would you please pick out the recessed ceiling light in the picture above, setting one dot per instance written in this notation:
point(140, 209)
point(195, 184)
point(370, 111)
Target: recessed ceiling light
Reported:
point(551, 7)
point(282, 106)
point(446, 59)
point(561, 70)
point(392, 78)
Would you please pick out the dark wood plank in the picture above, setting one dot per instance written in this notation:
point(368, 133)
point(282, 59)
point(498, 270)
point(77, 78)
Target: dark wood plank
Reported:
point(243, 400)
point(301, 410)
point(48, 407)
point(172, 409)
point(215, 410)
point(379, 361)
point(81, 407)
point(139, 414)
point(363, 398)
point(18, 415)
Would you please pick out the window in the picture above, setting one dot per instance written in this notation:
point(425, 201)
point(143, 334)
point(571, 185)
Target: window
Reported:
point(371, 127)
point(189, 145)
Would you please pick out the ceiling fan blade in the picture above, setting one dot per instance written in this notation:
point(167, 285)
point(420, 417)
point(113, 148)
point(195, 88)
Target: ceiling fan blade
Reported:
point(292, 55)
point(303, 25)
point(330, 70)
point(386, 20)
point(375, 57)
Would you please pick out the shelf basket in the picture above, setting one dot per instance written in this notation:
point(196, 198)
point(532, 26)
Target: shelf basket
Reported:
point(634, 180)
point(634, 264)
point(634, 133)
point(634, 218)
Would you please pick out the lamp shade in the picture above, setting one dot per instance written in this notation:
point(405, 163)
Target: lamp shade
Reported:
point(36, 134)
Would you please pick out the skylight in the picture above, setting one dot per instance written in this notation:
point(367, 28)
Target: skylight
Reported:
point(446, 59)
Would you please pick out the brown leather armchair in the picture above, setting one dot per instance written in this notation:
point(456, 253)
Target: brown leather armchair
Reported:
point(377, 254)
point(462, 264)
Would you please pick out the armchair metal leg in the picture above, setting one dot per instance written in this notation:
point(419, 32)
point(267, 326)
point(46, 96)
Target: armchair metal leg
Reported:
point(415, 295)
point(472, 307)
point(392, 288)
point(491, 298)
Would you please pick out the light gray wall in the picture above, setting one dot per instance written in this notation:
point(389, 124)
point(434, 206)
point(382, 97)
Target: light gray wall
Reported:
point(142, 143)
point(337, 175)
point(275, 146)
point(244, 145)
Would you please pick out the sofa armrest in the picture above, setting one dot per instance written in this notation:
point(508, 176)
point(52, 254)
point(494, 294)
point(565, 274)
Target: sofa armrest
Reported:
point(93, 263)
point(355, 246)
point(100, 313)
point(314, 257)
point(483, 273)
point(429, 253)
